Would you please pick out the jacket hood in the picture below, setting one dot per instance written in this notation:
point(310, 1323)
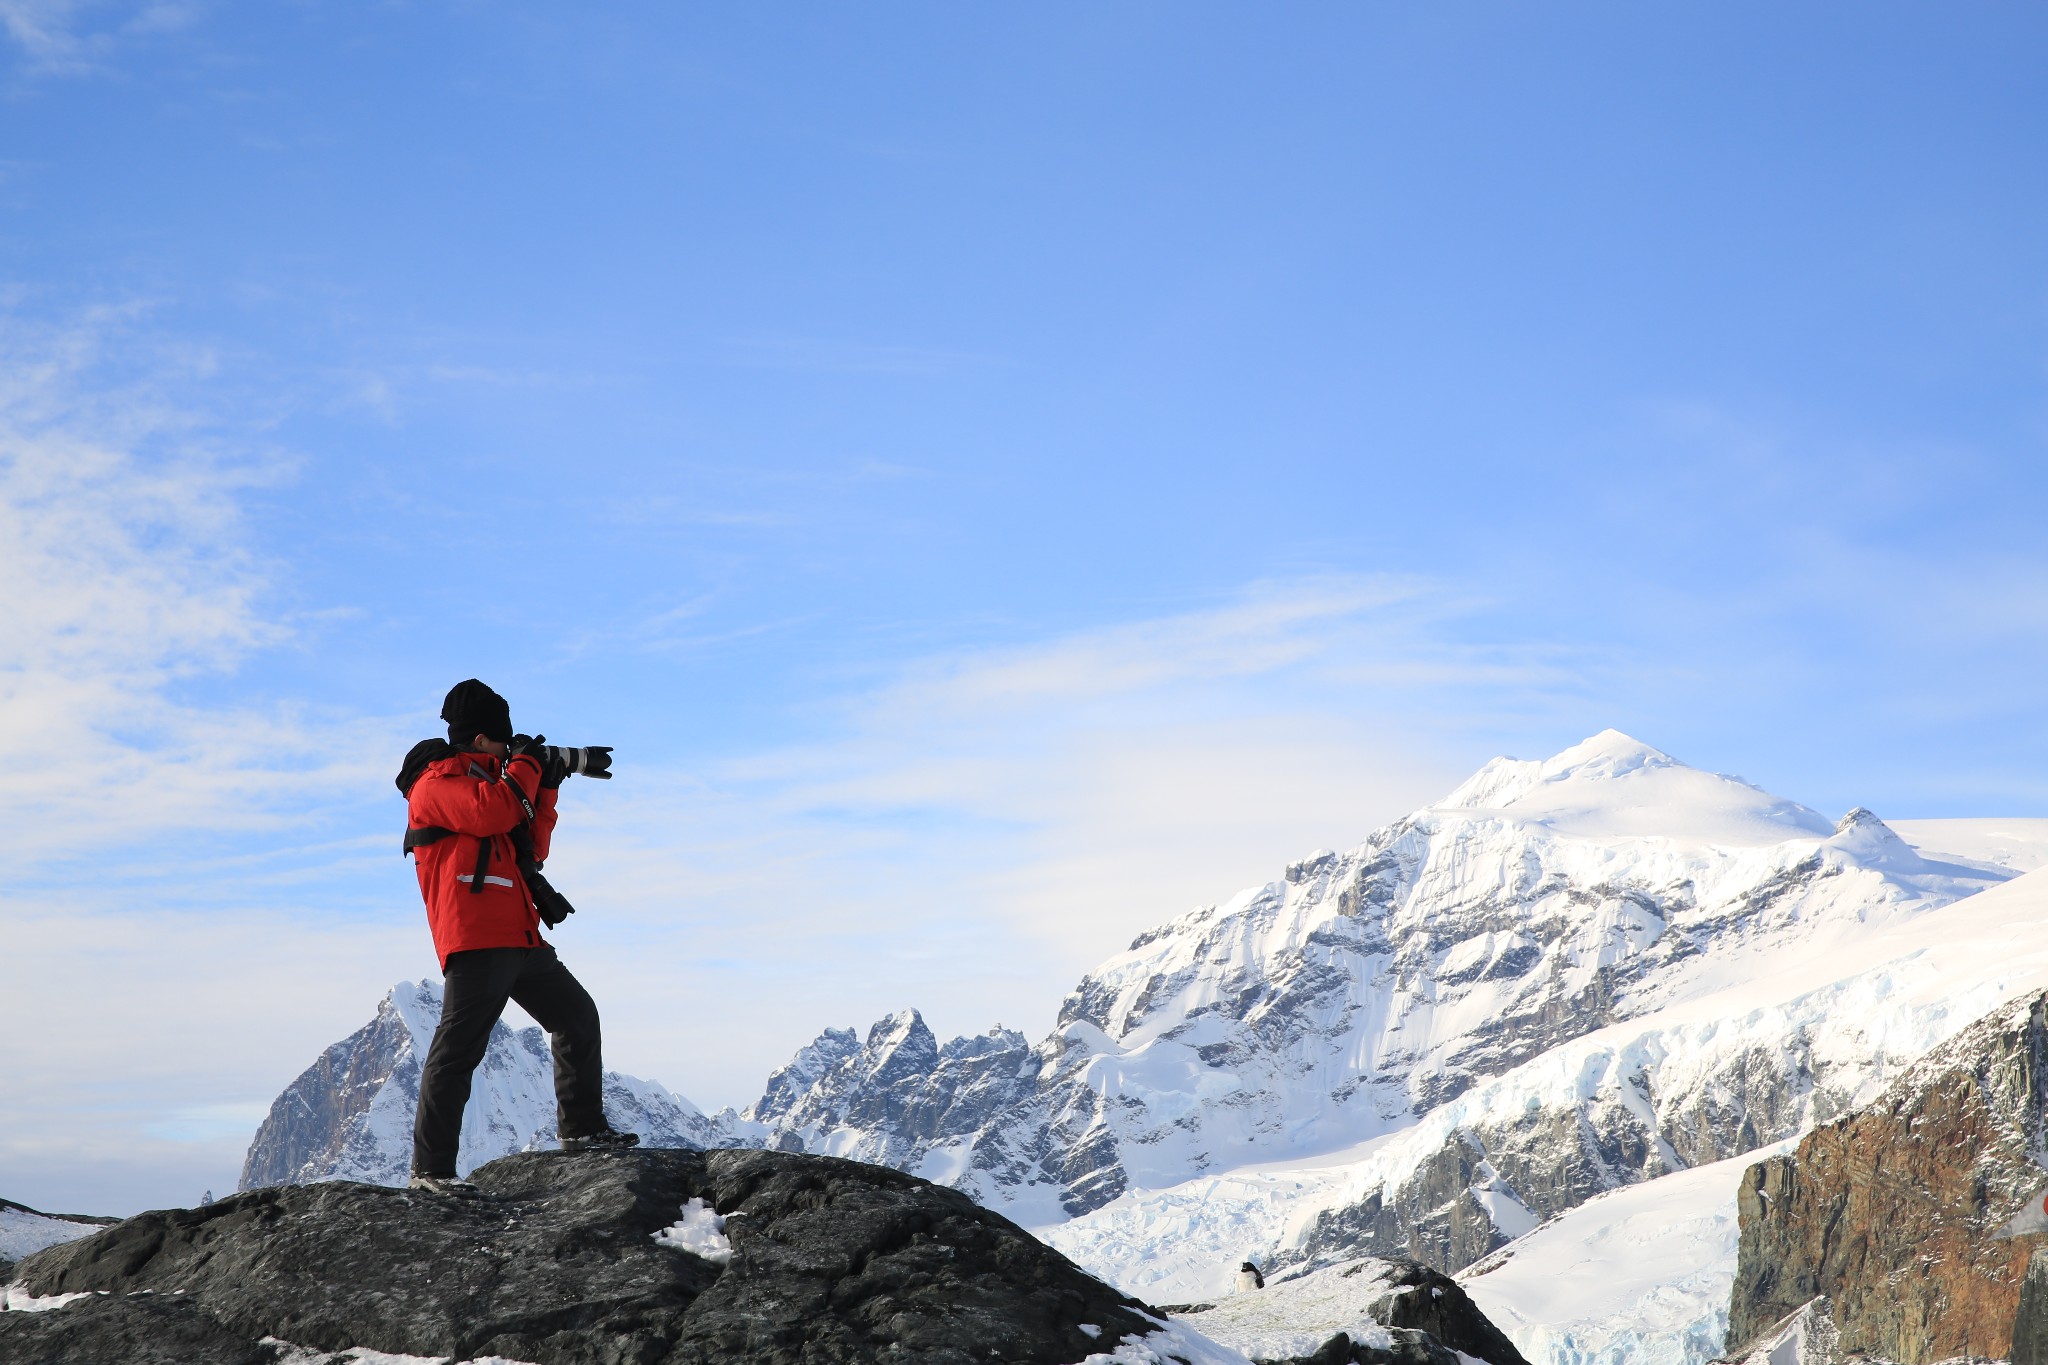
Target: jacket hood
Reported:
point(418, 759)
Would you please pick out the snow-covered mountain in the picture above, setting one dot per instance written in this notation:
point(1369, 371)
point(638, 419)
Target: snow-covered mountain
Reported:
point(1329, 1011)
point(1568, 977)
point(1642, 1272)
point(350, 1115)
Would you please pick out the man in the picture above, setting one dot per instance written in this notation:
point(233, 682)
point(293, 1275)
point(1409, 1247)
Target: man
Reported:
point(480, 812)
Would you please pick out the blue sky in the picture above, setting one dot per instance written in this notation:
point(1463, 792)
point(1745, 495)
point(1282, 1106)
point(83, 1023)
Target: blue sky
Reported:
point(1000, 475)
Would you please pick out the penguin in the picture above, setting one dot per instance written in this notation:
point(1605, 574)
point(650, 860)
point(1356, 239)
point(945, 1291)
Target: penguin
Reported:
point(1248, 1277)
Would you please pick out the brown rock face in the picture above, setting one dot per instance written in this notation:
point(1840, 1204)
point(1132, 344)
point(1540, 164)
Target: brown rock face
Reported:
point(1889, 1211)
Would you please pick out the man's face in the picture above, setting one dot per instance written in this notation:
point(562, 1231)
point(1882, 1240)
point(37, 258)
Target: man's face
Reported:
point(495, 747)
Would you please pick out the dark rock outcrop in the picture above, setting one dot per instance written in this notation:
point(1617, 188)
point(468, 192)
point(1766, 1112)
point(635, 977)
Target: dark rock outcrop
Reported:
point(831, 1261)
point(1408, 1348)
point(1887, 1213)
point(1424, 1317)
point(1426, 1301)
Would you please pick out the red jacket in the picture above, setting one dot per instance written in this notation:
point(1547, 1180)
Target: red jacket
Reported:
point(462, 793)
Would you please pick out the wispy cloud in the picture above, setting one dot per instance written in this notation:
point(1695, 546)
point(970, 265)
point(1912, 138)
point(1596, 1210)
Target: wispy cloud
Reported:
point(79, 37)
point(168, 845)
point(43, 28)
point(977, 829)
point(130, 582)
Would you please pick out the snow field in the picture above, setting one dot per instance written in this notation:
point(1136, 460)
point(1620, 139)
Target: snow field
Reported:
point(1294, 1317)
point(1638, 1276)
point(1175, 1343)
point(23, 1233)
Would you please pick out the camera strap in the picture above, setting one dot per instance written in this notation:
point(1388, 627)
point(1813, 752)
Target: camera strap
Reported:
point(422, 835)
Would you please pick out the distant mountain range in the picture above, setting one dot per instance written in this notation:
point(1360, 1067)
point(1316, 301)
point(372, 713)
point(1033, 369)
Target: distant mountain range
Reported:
point(1569, 977)
point(350, 1115)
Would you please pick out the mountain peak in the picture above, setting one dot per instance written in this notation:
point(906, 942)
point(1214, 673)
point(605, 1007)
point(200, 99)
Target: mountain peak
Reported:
point(1609, 754)
point(1614, 785)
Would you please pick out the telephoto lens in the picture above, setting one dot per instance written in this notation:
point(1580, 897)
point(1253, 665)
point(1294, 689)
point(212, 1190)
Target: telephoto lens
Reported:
point(590, 761)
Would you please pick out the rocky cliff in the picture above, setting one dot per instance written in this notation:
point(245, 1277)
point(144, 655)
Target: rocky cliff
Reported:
point(649, 1258)
point(1875, 1234)
point(580, 1259)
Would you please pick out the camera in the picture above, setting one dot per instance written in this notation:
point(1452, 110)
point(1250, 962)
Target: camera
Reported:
point(590, 761)
point(593, 760)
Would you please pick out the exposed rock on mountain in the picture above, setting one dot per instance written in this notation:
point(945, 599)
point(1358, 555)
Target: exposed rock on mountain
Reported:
point(900, 1099)
point(1367, 1311)
point(1875, 1233)
point(587, 1259)
point(350, 1115)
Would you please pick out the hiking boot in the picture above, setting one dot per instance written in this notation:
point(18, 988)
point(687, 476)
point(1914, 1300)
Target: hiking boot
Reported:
point(447, 1185)
point(604, 1141)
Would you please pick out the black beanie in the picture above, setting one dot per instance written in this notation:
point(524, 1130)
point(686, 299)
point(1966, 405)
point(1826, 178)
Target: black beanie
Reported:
point(472, 709)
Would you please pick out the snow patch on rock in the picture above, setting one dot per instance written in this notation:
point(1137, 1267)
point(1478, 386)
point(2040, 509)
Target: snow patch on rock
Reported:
point(701, 1232)
point(363, 1355)
point(1175, 1343)
point(15, 1299)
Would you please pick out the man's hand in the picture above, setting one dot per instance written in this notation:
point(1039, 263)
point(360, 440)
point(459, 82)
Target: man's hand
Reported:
point(534, 749)
point(556, 764)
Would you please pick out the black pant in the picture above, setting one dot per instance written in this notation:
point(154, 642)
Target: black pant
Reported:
point(477, 985)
